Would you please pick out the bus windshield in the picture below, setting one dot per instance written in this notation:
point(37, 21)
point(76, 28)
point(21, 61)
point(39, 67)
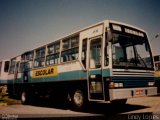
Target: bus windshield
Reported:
point(129, 52)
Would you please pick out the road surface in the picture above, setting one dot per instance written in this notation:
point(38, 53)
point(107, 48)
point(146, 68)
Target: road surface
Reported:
point(146, 108)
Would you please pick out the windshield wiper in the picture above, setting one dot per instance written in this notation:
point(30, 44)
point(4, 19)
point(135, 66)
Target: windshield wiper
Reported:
point(141, 59)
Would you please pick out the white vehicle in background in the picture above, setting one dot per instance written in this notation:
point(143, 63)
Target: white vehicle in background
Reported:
point(4, 68)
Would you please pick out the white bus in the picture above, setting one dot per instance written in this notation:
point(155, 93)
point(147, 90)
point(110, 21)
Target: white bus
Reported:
point(4, 68)
point(103, 62)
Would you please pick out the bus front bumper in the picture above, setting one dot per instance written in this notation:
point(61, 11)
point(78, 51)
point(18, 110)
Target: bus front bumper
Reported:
point(131, 92)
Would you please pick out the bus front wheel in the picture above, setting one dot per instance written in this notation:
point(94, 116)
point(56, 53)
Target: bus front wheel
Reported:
point(78, 100)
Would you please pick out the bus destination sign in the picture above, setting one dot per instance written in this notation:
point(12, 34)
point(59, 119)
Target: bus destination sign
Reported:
point(125, 29)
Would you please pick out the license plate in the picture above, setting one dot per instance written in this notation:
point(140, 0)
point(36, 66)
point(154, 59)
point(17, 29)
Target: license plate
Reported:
point(139, 92)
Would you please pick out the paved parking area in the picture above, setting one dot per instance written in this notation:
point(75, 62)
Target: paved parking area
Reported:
point(148, 107)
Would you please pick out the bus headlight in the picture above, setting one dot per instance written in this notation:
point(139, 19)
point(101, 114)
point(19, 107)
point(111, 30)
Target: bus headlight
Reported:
point(150, 83)
point(120, 84)
point(115, 85)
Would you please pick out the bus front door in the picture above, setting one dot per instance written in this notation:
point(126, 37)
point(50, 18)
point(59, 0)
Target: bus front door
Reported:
point(95, 81)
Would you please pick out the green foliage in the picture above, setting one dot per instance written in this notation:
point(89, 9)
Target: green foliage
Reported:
point(5, 99)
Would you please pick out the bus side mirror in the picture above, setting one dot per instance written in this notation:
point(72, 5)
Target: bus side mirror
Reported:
point(147, 47)
point(109, 37)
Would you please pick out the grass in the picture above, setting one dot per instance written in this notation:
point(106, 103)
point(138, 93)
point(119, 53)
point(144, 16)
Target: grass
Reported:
point(6, 100)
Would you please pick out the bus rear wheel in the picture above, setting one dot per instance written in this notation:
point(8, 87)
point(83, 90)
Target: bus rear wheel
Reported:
point(24, 98)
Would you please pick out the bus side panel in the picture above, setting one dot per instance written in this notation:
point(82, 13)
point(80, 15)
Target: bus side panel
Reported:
point(70, 76)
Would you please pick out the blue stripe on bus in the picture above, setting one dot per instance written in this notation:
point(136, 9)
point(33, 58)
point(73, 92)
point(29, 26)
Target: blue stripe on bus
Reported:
point(72, 75)
point(104, 72)
point(79, 75)
point(3, 82)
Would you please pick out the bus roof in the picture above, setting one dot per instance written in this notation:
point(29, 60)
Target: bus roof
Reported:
point(106, 22)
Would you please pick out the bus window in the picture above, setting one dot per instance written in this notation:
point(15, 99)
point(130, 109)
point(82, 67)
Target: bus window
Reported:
point(12, 66)
point(70, 49)
point(53, 54)
point(54, 48)
point(40, 57)
point(66, 44)
point(21, 68)
point(156, 58)
point(157, 65)
point(6, 67)
point(23, 57)
point(68, 55)
point(129, 52)
point(52, 59)
point(29, 56)
point(118, 55)
point(95, 53)
point(74, 42)
point(106, 49)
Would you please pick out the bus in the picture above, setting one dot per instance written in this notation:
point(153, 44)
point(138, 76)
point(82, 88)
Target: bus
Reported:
point(4, 68)
point(100, 63)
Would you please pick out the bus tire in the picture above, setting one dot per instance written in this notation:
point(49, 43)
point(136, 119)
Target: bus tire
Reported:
point(24, 98)
point(78, 100)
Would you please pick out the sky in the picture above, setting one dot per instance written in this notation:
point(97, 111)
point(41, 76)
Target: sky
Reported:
point(28, 24)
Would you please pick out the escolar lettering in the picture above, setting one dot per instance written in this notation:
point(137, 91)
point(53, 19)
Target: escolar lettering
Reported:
point(45, 72)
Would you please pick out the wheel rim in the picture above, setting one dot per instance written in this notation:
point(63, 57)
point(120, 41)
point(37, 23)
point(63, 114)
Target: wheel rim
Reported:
point(78, 98)
point(23, 97)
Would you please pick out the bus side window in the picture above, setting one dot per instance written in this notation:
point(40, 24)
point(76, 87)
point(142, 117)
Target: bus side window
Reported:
point(40, 57)
point(108, 38)
point(84, 52)
point(53, 53)
point(21, 68)
point(70, 49)
point(106, 57)
point(12, 66)
point(95, 53)
point(6, 67)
